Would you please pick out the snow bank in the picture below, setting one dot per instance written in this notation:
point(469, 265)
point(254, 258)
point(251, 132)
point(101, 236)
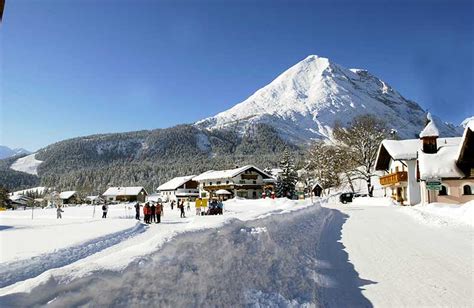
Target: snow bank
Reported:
point(28, 164)
point(440, 214)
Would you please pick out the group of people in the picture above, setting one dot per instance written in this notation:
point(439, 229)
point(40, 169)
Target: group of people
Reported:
point(215, 207)
point(151, 213)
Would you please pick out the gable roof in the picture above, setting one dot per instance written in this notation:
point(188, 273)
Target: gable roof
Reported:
point(124, 191)
point(227, 174)
point(175, 182)
point(441, 164)
point(67, 194)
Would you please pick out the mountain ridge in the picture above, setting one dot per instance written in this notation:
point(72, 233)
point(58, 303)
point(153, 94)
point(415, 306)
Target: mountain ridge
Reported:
point(6, 152)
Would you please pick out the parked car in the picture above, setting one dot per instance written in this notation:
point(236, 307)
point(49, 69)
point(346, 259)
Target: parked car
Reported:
point(346, 197)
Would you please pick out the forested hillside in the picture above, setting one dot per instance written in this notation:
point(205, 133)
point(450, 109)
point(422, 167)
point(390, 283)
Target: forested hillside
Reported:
point(147, 158)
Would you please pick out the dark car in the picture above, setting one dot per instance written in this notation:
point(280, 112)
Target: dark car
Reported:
point(346, 197)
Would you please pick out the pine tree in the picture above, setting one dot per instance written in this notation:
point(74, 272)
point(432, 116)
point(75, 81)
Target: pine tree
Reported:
point(286, 182)
point(4, 201)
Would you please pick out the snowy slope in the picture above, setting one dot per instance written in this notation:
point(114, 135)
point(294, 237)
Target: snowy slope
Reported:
point(306, 100)
point(28, 164)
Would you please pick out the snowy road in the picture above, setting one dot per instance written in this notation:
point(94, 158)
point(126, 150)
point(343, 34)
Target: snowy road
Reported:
point(414, 264)
point(332, 256)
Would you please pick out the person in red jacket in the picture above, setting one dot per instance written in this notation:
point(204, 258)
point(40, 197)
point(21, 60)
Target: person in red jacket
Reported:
point(146, 213)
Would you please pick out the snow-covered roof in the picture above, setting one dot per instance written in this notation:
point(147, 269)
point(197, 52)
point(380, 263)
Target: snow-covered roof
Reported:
point(401, 149)
point(430, 129)
point(175, 183)
point(123, 191)
point(226, 174)
point(441, 164)
point(405, 150)
point(468, 122)
point(67, 194)
point(223, 192)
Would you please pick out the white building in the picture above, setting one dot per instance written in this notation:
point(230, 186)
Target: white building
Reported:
point(178, 188)
point(410, 164)
point(245, 182)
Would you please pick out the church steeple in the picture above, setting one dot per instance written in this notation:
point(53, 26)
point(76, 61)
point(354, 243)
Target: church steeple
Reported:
point(429, 136)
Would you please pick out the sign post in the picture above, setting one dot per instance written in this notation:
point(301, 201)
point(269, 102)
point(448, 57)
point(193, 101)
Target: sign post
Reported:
point(433, 184)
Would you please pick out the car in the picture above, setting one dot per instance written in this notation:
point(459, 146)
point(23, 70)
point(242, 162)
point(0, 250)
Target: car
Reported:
point(346, 197)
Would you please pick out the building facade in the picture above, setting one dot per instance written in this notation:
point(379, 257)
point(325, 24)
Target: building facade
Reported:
point(429, 169)
point(244, 182)
point(125, 194)
point(179, 188)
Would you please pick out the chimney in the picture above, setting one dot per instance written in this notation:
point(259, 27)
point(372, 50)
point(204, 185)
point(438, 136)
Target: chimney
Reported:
point(429, 136)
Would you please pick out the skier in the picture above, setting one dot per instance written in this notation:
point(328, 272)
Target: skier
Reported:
point(188, 205)
point(58, 212)
point(105, 208)
point(181, 207)
point(172, 204)
point(152, 212)
point(137, 211)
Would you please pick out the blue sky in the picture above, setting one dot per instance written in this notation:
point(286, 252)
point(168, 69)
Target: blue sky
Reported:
point(79, 67)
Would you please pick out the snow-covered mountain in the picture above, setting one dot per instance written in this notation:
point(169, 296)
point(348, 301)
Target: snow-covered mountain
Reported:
point(307, 100)
point(6, 152)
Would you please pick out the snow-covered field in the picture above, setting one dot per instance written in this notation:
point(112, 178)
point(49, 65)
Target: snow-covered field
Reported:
point(78, 243)
point(28, 164)
point(260, 252)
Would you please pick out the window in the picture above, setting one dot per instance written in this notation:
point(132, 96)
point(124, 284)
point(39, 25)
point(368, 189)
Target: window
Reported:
point(227, 182)
point(210, 183)
point(218, 182)
point(242, 182)
point(443, 191)
point(467, 190)
point(255, 182)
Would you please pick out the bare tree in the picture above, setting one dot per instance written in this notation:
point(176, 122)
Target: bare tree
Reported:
point(324, 163)
point(360, 143)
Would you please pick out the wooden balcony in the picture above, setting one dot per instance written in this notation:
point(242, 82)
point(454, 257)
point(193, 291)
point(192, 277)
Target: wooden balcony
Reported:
point(394, 178)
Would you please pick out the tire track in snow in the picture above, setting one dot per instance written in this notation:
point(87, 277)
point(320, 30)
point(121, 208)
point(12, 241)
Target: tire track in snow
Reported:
point(16, 271)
